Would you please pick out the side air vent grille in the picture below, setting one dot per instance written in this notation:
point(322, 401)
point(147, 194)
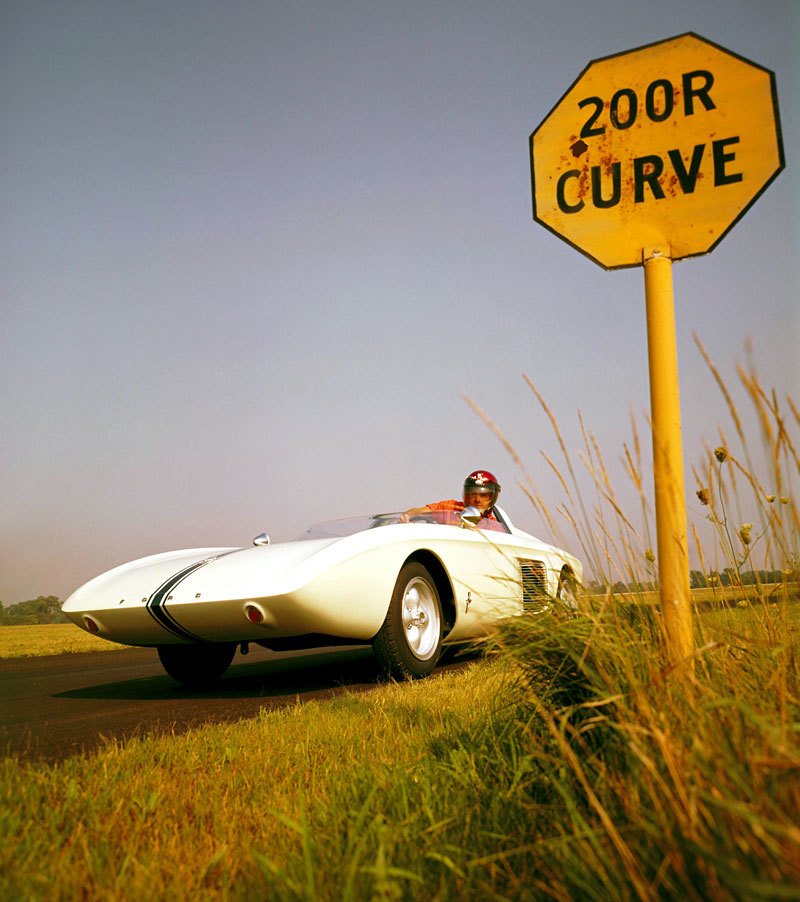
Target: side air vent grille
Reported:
point(534, 584)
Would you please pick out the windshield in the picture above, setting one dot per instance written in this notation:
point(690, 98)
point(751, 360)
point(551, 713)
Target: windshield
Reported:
point(349, 526)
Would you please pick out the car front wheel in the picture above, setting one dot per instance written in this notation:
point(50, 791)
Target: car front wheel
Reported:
point(197, 666)
point(409, 643)
point(568, 590)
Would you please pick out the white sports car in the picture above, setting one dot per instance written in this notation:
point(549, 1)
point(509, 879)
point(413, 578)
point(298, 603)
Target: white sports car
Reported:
point(406, 588)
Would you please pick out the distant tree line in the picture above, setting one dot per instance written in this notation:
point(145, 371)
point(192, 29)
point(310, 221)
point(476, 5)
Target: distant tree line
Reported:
point(44, 609)
point(729, 577)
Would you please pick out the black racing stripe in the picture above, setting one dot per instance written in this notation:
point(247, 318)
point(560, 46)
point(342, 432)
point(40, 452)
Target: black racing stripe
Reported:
point(156, 603)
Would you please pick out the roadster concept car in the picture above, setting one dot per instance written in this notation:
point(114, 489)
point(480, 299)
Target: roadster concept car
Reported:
point(406, 588)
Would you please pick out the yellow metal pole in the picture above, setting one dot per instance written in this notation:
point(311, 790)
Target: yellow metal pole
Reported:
point(673, 556)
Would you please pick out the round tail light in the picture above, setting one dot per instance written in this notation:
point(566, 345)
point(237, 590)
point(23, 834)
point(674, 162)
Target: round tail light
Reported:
point(91, 625)
point(254, 613)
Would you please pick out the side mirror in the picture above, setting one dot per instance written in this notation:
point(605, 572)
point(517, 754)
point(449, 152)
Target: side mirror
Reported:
point(261, 539)
point(471, 515)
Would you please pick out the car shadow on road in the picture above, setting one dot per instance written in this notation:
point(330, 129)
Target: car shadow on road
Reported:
point(262, 678)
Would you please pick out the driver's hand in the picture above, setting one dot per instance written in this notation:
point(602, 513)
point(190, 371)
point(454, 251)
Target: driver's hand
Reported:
point(404, 518)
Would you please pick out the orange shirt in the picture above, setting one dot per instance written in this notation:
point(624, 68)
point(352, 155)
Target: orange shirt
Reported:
point(488, 521)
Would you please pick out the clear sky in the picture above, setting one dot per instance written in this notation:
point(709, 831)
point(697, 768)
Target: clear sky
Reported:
point(253, 254)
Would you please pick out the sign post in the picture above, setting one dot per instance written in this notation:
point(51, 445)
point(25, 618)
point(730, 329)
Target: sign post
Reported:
point(673, 553)
point(652, 156)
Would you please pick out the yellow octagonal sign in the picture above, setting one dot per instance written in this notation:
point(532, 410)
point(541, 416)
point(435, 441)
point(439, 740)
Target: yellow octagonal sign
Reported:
point(664, 146)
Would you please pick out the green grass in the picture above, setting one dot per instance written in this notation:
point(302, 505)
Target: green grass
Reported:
point(573, 765)
point(49, 639)
point(338, 799)
point(669, 786)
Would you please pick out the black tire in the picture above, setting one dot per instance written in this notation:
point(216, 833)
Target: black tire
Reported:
point(409, 643)
point(568, 590)
point(197, 666)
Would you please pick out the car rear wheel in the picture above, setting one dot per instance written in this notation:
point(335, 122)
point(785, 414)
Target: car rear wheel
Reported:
point(409, 643)
point(198, 666)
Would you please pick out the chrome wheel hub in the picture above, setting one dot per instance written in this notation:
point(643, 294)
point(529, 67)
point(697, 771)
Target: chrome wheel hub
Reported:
point(421, 623)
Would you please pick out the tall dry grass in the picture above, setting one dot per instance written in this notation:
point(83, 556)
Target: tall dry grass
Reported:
point(743, 517)
point(673, 782)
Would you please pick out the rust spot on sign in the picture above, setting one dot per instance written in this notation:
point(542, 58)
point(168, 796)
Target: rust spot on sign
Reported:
point(607, 162)
point(578, 148)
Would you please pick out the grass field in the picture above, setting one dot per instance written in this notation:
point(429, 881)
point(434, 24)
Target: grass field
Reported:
point(301, 803)
point(566, 767)
point(722, 596)
point(49, 639)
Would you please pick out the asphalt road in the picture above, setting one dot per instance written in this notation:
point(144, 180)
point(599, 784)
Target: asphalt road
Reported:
point(54, 707)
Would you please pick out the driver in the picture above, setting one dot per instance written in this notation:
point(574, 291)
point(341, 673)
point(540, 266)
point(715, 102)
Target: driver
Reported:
point(480, 490)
